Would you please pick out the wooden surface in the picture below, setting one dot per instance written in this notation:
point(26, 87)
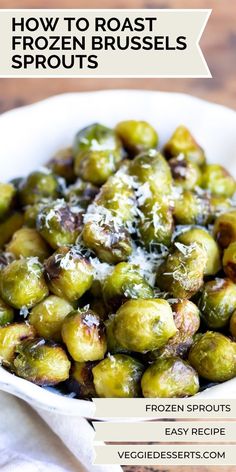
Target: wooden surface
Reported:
point(218, 44)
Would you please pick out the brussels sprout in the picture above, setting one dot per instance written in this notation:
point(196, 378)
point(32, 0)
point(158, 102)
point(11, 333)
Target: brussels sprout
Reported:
point(185, 173)
point(123, 283)
point(81, 380)
point(37, 186)
point(182, 142)
point(6, 313)
point(181, 274)
point(144, 325)
point(117, 196)
point(118, 376)
point(9, 226)
point(156, 223)
point(220, 205)
point(202, 236)
point(59, 223)
point(10, 336)
point(81, 193)
point(31, 212)
point(47, 317)
point(229, 261)
point(110, 242)
point(217, 302)
point(169, 378)
point(187, 321)
point(218, 180)
point(41, 362)
point(224, 229)
point(84, 335)
point(27, 242)
point(232, 325)
point(213, 356)
point(151, 167)
point(69, 275)
point(62, 164)
point(112, 344)
point(97, 153)
point(7, 193)
point(192, 208)
point(22, 283)
point(136, 136)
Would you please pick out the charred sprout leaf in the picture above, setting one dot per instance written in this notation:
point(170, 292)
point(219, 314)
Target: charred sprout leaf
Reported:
point(136, 136)
point(83, 332)
point(217, 302)
point(213, 356)
point(229, 261)
point(69, 275)
point(10, 336)
point(97, 153)
point(168, 378)
point(81, 380)
point(118, 376)
point(22, 283)
point(41, 362)
point(181, 274)
point(47, 317)
point(144, 325)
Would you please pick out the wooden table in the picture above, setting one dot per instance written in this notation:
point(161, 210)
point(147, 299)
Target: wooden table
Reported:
point(218, 44)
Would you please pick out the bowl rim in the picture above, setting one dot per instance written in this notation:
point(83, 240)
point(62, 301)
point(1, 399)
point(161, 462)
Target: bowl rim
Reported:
point(65, 404)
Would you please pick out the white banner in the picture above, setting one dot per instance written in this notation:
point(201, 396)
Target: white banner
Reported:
point(102, 43)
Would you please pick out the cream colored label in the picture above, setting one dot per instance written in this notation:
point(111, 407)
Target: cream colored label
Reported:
point(102, 43)
point(157, 408)
point(166, 431)
point(192, 455)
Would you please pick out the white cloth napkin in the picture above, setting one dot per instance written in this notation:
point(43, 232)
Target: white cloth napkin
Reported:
point(39, 441)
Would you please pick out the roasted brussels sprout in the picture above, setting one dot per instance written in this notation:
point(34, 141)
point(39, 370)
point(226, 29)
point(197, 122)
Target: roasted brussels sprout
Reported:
point(185, 173)
point(202, 236)
point(182, 142)
point(84, 335)
point(232, 325)
point(118, 376)
point(22, 283)
point(229, 261)
point(144, 325)
point(9, 226)
point(47, 317)
point(168, 378)
point(6, 313)
point(97, 153)
point(213, 356)
point(181, 274)
point(81, 193)
point(59, 223)
point(81, 380)
point(136, 136)
point(187, 321)
point(10, 336)
point(27, 242)
point(225, 229)
point(217, 302)
point(117, 196)
point(110, 242)
point(69, 275)
point(192, 208)
point(7, 193)
point(112, 344)
point(31, 212)
point(218, 180)
point(151, 167)
point(156, 223)
point(62, 164)
point(37, 186)
point(123, 283)
point(41, 362)
point(220, 205)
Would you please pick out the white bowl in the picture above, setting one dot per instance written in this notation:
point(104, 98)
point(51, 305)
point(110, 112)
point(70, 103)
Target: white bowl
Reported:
point(30, 135)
